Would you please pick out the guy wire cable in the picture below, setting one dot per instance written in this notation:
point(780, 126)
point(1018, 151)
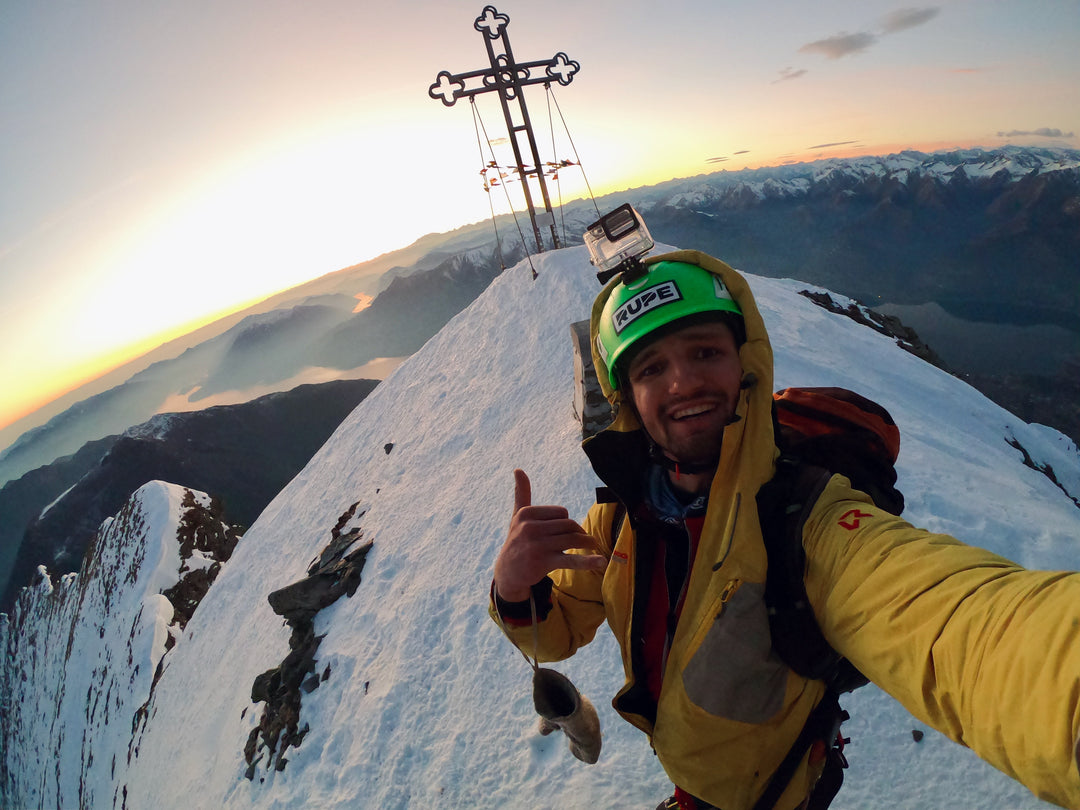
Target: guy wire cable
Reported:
point(487, 187)
point(576, 156)
point(494, 163)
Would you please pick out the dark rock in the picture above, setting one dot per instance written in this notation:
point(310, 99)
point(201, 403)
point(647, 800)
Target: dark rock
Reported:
point(339, 541)
point(1045, 469)
point(204, 530)
point(266, 685)
point(906, 337)
point(335, 572)
point(300, 601)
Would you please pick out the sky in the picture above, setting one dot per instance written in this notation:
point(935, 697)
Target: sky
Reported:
point(424, 703)
point(162, 164)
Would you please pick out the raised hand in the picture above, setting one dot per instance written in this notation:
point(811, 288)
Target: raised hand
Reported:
point(536, 544)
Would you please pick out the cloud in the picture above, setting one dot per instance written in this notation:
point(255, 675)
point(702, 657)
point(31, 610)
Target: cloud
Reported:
point(829, 145)
point(845, 44)
point(841, 45)
point(723, 158)
point(789, 73)
point(908, 18)
point(1045, 132)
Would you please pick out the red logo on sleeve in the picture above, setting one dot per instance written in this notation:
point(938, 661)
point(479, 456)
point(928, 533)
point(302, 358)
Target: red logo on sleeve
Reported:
point(850, 519)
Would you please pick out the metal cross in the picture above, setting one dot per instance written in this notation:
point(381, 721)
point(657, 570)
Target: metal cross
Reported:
point(508, 77)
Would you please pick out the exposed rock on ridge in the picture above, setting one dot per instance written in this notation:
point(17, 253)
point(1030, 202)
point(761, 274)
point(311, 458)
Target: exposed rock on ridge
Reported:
point(85, 651)
point(333, 574)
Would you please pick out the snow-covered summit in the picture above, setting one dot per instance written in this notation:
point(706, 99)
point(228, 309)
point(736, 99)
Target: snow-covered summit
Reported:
point(420, 701)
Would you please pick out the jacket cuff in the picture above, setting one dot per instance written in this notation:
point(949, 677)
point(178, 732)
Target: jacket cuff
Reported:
point(519, 614)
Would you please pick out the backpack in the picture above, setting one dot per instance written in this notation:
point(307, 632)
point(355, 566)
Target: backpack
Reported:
point(819, 432)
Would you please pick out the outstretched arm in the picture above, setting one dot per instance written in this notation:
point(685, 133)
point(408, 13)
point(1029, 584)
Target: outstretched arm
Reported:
point(976, 646)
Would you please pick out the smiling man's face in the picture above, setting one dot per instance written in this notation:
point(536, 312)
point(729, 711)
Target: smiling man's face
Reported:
point(685, 386)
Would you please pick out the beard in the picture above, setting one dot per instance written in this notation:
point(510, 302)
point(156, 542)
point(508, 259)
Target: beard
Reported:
point(699, 450)
point(694, 442)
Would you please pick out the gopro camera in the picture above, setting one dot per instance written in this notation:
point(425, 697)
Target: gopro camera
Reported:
point(616, 243)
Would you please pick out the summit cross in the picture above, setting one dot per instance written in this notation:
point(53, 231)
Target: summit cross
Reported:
point(507, 77)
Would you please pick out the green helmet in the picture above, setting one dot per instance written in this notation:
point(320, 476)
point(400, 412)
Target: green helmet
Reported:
point(669, 292)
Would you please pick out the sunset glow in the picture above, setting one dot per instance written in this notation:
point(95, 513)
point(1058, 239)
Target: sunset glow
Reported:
point(164, 166)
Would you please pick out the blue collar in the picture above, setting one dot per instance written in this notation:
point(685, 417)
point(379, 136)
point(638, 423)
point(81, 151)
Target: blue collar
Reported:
point(669, 505)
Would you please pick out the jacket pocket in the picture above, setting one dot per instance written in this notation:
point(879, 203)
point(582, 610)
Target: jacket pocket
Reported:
point(731, 670)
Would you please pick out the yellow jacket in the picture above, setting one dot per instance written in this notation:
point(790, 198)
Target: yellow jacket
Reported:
point(973, 645)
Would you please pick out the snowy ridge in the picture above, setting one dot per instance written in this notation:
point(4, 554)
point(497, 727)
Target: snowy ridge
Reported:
point(424, 703)
point(83, 655)
point(156, 427)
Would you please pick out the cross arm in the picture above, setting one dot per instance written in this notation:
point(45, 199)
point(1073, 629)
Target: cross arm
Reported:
point(449, 87)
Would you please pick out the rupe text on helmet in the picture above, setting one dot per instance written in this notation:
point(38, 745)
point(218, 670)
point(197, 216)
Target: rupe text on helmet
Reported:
point(645, 301)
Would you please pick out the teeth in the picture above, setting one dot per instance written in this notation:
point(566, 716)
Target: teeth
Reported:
point(692, 411)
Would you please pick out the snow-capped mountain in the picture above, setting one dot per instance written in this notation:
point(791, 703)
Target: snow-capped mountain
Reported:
point(411, 697)
point(1008, 164)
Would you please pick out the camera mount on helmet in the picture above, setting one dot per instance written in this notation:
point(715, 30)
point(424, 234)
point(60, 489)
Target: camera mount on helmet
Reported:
point(616, 243)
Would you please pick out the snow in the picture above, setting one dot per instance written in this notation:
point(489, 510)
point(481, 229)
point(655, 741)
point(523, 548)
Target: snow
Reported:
point(55, 501)
point(426, 704)
point(90, 647)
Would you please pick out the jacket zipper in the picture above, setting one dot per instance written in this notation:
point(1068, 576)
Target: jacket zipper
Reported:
point(727, 593)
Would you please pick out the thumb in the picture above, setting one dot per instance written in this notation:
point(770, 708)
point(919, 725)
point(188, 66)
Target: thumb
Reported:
point(522, 490)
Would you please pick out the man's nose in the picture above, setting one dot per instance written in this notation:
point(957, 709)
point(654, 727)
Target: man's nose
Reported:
point(684, 378)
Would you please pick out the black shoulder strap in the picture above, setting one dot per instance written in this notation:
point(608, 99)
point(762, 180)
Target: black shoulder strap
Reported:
point(823, 724)
point(617, 521)
point(784, 504)
point(605, 495)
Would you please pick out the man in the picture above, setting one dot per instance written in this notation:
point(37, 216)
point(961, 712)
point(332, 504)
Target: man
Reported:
point(970, 643)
